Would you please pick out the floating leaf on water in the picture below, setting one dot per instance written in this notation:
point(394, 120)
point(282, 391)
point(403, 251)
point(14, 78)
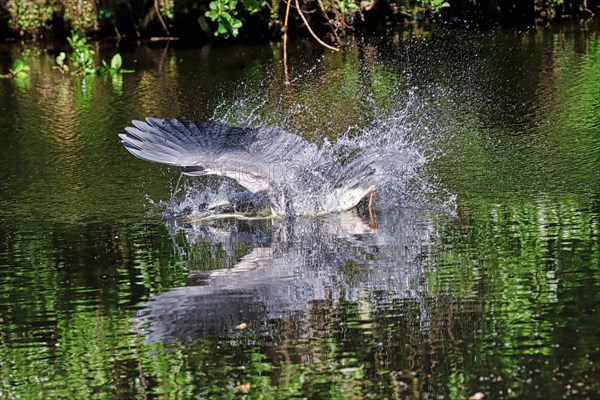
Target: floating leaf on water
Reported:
point(477, 396)
point(243, 388)
point(241, 326)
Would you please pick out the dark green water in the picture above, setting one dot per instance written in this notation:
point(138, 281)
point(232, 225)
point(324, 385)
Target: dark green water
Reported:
point(483, 274)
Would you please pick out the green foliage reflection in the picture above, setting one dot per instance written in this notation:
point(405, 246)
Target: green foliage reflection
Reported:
point(510, 294)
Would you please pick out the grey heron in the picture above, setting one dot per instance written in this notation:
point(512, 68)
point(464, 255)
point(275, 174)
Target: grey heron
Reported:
point(282, 169)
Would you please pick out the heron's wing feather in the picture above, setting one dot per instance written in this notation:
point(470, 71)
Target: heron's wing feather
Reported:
point(250, 156)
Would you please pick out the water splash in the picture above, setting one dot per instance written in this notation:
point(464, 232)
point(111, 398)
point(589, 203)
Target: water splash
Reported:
point(397, 146)
point(400, 147)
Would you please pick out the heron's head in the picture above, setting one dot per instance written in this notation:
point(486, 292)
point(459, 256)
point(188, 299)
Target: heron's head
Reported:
point(344, 199)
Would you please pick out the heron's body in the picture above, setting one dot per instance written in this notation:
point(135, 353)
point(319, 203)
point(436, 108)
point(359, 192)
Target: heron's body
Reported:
point(282, 169)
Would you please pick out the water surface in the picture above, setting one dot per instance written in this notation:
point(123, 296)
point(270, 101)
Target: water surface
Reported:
point(480, 272)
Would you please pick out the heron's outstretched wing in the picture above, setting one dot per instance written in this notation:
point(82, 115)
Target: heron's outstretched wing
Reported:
point(253, 157)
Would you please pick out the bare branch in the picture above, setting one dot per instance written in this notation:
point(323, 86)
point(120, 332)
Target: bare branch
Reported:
point(322, 43)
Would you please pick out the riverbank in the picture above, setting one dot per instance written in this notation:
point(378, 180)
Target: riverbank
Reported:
point(261, 21)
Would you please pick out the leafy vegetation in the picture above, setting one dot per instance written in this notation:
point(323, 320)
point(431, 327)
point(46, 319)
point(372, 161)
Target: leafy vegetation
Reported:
point(62, 66)
point(224, 13)
point(82, 59)
point(82, 55)
point(115, 67)
point(339, 15)
point(18, 71)
point(229, 18)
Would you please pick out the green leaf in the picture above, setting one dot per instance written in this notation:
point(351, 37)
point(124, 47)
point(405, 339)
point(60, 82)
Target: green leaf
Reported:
point(18, 65)
point(116, 62)
point(19, 69)
point(60, 59)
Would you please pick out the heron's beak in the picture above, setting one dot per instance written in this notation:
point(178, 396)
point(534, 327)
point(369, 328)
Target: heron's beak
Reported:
point(372, 191)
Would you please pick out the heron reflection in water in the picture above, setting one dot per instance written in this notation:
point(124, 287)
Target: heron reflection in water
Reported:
point(323, 253)
point(270, 272)
point(283, 173)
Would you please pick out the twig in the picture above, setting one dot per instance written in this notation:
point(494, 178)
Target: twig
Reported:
point(285, 29)
point(117, 32)
point(330, 21)
point(322, 7)
point(160, 18)
point(311, 31)
point(340, 16)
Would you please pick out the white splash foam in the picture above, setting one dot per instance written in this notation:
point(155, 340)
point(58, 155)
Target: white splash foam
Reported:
point(399, 146)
